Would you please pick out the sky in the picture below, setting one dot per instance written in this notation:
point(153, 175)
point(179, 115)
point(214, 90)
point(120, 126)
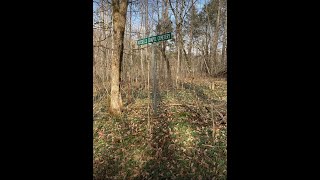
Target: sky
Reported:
point(136, 16)
point(199, 5)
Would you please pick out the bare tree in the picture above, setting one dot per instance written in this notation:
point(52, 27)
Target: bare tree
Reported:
point(224, 40)
point(215, 39)
point(198, 48)
point(119, 11)
point(166, 25)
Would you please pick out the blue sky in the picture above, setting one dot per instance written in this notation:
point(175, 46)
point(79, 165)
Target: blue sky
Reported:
point(136, 18)
point(199, 5)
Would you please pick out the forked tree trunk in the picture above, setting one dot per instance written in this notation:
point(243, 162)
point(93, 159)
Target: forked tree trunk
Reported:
point(164, 28)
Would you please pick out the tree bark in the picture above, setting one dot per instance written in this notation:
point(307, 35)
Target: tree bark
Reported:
point(224, 47)
point(119, 11)
point(163, 46)
point(215, 40)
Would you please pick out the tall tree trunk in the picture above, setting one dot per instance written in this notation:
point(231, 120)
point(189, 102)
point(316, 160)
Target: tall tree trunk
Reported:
point(191, 27)
point(215, 39)
point(187, 65)
point(129, 65)
point(193, 15)
point(163, 47)
point(206, 51)
point(224, 46)
point(141, 55)
point(179, 40)
point(119, 11)
point(177, 18)
point(145, 35)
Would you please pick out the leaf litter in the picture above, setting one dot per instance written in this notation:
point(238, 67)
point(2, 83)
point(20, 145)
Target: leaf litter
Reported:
point(180, 144)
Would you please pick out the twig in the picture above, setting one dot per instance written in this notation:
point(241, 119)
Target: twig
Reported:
point(174, 104)
point(207, 145)
point(213, 124)
point(220, 114)
point(182, 105)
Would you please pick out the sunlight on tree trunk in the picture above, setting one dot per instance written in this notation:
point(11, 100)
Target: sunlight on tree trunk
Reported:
point(119, 11)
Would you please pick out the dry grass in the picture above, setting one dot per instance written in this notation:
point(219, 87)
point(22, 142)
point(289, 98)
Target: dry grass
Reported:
point(180, 144)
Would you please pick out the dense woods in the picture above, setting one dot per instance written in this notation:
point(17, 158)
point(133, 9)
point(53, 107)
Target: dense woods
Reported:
point(160, 108)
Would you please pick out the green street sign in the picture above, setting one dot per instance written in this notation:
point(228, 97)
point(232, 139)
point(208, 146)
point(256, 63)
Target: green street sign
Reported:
point(152, 39)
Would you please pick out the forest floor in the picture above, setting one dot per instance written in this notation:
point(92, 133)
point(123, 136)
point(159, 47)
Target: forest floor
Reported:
point(177, 143)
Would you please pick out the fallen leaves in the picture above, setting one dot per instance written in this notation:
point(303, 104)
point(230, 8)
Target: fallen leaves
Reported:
point(179, 146)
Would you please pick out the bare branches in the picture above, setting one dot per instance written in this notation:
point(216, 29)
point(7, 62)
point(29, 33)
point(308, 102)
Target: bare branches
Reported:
point(185, 13)
point(104, 47)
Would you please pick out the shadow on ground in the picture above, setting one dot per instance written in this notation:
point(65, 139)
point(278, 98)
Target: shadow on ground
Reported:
point(179, 146)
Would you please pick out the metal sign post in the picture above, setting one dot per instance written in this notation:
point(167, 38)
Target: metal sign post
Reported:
point(154, 79)
point(153, 40)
